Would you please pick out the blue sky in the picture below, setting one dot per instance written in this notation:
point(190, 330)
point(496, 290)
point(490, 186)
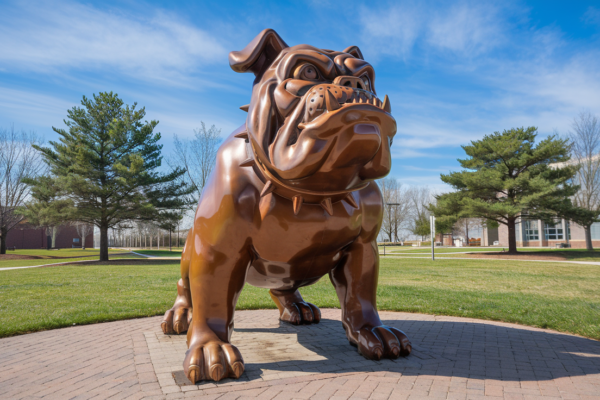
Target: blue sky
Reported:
point(454, 71)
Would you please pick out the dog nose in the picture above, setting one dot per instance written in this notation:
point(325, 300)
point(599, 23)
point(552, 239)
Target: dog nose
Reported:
point(350, 81)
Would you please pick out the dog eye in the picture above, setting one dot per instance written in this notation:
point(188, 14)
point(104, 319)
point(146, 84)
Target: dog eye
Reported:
point(306, 72)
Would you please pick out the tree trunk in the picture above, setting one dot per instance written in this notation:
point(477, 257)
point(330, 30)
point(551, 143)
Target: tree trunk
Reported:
point(170, 247)
point(512, 237)
point(103, 243)
point(3, 233)
point(54, 232)
point(83, 241)
point(588, 238)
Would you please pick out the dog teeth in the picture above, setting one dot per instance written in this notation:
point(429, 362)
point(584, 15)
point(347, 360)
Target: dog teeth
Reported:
point(331, 102)
point(386, 104)
point(358, 97)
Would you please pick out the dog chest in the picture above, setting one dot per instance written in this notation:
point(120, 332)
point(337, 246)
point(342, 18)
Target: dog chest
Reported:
point(294, 250)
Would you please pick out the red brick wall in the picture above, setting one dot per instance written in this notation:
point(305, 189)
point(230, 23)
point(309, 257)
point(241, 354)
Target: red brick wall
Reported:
point(35, 238)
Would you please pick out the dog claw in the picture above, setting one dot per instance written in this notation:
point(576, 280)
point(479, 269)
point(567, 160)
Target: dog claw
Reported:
point(378, 353)
point(238, 369)
point(177, 327)
point(194, 374)
point(216, 372)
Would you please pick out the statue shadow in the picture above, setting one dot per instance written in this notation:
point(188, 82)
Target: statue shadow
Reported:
point(441, 348)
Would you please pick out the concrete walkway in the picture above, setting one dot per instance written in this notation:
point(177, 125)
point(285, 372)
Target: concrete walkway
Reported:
point(453, 358)
point(498, 259)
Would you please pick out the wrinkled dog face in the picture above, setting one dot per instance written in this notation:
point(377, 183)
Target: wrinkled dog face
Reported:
point(315, 119)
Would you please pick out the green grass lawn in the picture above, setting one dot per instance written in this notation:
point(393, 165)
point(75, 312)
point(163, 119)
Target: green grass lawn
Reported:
point(564, 297)
point(43, 256)
point(29, 263)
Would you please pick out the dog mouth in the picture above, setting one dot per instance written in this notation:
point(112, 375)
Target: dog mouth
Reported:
point(324, 99)
point(327, 127)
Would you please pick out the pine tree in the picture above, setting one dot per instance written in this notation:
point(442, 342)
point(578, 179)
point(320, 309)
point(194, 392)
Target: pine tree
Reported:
point(106, 162)
point(506, 174)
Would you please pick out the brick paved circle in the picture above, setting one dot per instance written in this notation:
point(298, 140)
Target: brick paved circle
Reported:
point(453, 358)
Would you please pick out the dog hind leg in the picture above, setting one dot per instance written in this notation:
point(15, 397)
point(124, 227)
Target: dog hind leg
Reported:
point(179, 317)
point(293, 309)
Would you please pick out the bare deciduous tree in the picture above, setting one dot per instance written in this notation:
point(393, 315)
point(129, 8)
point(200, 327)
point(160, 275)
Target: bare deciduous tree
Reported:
point(18, 160)
point(83, 229)
point(465, 225)
point(397, 208)
point(585, 140)
point(197, 156)
point(420, 199)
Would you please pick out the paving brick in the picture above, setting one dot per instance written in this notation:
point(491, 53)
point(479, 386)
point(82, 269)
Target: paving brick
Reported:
point(453, 358)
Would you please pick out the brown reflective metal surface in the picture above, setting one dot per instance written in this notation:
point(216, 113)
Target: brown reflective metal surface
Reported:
point(291, 199)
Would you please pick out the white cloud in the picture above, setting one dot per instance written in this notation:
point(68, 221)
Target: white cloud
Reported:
point(62, 36)
point(535, 76)
point(592, 16)
point(465, 28)
point(38, 110)
point(391, 31)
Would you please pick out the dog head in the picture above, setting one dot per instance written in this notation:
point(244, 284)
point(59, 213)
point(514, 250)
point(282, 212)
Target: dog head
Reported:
point(315, 120)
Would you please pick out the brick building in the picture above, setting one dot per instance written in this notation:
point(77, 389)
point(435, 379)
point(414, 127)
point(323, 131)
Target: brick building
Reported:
point(482, 236)
point(24, 236)
point(536, 233)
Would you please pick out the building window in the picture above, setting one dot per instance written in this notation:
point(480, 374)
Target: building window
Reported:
point(554, 231)
point(531, 230)
point(595, 230)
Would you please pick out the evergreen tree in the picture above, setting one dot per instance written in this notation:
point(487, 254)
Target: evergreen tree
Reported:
point(507, 173)
point(421, 226)
point(106, 162)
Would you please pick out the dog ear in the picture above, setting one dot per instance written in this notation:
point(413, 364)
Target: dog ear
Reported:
point(258, 55)
point(355, 51)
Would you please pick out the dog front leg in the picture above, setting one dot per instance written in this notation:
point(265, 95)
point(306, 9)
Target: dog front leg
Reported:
point(216, 281)
point(355, 281)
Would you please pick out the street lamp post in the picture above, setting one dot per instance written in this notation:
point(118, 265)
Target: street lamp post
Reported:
point(432, 234)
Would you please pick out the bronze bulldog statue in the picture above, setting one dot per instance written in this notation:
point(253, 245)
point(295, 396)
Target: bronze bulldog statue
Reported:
point(291, 199)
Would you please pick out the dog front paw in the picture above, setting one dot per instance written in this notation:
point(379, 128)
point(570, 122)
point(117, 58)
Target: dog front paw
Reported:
point(383, 341)
point(213, 360)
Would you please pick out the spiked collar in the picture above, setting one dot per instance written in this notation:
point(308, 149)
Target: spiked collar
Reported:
point(298, 196)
